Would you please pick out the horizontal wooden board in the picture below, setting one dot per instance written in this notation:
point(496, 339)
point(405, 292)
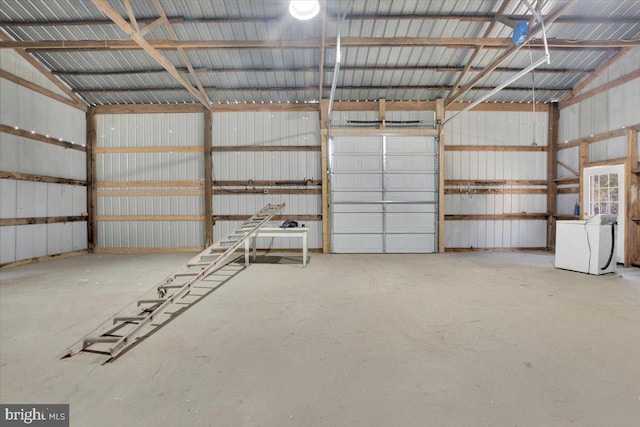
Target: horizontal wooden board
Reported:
point(43, 258)
point(148, 108)
point(616, 161)
point(150, 184)
point(177, 149)
point(597, 137)
point(275, 218)
point(167, 249)
point(41, 90)
point(496, 249)
point(494, 182)
point(241, 148)
point(495, 191)
point(41, 220)
point(150, 218)
point(40, 178)
point(497, 217)
point(138, 193)
point(252, 183)
point(42, 138)
point(535, 148)
point(568, 190)
point(239, 191)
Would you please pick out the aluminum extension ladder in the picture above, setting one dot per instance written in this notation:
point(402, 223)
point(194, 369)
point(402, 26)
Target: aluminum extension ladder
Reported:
point(122, 330)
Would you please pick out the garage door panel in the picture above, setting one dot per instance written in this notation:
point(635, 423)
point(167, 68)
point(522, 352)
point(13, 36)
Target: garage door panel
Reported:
point(410, 144)
point(411, 243)
point(363, 144)
point(357, 196)
point(410, 222)
point(406, 164)
point(342, 182)
point(411, 208)
point(411, 196)
point(410, 181)
point(383, 194)
point(358, 243)
point(357, 222)
point(344, 163)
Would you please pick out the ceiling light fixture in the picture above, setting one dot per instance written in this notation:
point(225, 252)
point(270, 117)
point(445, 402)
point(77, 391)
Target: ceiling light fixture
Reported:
point(304, 9)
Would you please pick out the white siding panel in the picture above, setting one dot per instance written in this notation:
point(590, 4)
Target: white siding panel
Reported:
point(497, 128)
point(79, 235)
point(505, 234)
point(7, 244)
point(266, 128)
point(495, 165)
point(276, 165)
point(31, 241)
point(132, 234)
point(59, 238)
point(569, 123)
point(566, 203)
point(27, 156)
point(15, 64)
point(150, 130)
point(28, 110)
point(570, 158)
point(8, 198)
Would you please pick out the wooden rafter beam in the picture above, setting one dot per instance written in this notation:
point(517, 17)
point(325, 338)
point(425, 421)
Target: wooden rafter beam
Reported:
point(449, 42)
point(436, 68)
point(183, 54)
point(309, 88)
point(477, 50)
point(80, 103)
point(601, 69)
point(178, 20)
point(144, 44)
point(534, 31)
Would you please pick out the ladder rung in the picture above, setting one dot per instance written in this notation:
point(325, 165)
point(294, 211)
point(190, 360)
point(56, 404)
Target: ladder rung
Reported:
point(195, 273)
point(151, 301)
point(195, 264)
point(170, 286)
point(128, 318)
point(97, 340)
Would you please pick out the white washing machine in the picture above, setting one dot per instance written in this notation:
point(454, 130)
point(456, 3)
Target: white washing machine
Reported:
point(587, 246)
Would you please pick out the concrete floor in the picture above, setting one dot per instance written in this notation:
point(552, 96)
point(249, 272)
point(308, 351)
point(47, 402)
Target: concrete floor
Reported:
point(460, 339)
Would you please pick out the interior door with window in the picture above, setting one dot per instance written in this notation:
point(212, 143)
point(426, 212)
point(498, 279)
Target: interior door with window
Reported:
point(604, 194)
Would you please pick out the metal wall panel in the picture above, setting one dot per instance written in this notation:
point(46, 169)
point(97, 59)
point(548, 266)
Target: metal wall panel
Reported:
point(150, 130)
point(496, 234)
point(17, 65)
point(266, 129)
point(28, 110)
point(495, 128)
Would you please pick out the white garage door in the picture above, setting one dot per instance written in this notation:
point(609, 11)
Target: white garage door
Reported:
point(384, 194)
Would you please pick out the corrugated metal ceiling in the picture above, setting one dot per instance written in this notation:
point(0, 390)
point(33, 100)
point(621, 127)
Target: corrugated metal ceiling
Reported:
point(404, 71)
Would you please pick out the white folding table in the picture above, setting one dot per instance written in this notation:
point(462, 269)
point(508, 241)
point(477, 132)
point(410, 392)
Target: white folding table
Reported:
point(300, 232)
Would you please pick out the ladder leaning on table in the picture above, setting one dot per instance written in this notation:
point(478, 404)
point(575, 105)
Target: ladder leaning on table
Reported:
point(123, 329)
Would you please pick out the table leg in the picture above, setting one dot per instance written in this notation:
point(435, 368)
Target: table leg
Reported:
point(246, 252)
point(253, 241)
point(304, 249)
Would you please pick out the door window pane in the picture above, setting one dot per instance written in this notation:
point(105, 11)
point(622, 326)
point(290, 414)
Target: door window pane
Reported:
point(603, 192)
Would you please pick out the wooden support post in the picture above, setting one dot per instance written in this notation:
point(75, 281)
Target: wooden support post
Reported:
point(208, 179)
point(440, 111)
point(552, 171)
point(92, 197)
point(382, 112)
point(582, 163)
point(632, 198)
point(324, 165)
